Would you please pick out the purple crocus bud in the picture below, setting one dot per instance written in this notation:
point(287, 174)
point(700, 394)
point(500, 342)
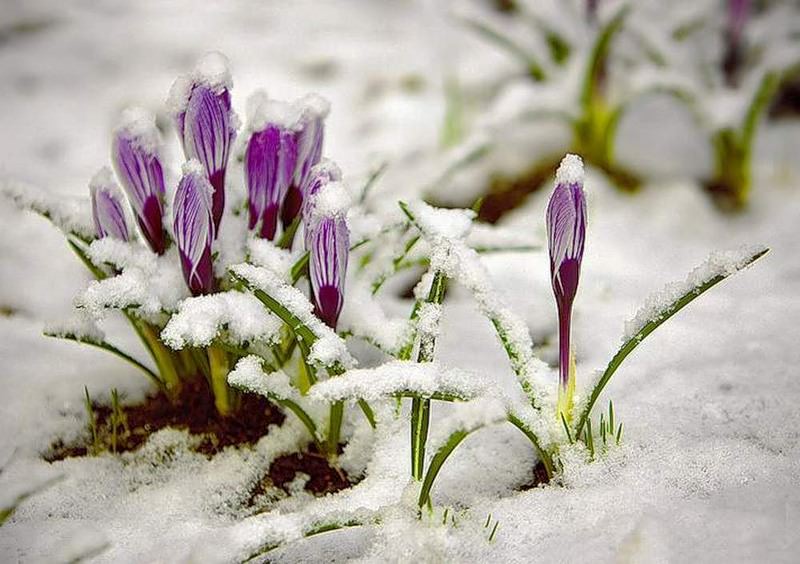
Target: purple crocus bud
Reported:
point(269, 164)
point(738, 12)
point(107, 211)
point(135, 156)
point(735, 53)
point(566, 233)
point(310, 136)
point(206, 124)
point(328, 242)
point(194, 227)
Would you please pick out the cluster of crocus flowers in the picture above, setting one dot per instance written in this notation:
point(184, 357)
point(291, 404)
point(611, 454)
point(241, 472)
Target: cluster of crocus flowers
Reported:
point(566, 233)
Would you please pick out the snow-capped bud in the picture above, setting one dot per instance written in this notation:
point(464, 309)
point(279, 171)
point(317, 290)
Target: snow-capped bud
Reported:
point(319, 176)
point(206, 124)
point(107, 211)
point(310, 136)
point(328, 243)
point(566, 233)
point(194, 227)
point(135, 156)
point(269, 164)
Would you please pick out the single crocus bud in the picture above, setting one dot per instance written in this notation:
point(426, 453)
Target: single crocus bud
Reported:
point(566, 233)
point(328, 243)
point(734, 56)
point(194, 227)
point(135, 156)
point(206, 124)
point(310, 136)
point(269, 164)
point(107, 211)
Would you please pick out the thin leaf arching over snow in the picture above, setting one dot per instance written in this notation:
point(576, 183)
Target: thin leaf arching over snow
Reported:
point(664, 304)
point(71, 215)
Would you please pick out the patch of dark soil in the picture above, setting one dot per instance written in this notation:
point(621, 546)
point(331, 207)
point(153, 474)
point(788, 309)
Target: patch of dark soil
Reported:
point(538, 478)
point(193, 410)
point(506, 193)
point(323, 478)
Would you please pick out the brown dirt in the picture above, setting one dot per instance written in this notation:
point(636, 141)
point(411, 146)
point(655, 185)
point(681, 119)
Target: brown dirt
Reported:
point(505, 193)
point(193, 410)
point(538, 478)
point(323, 478)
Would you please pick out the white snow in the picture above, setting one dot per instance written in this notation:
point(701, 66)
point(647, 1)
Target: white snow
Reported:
point(201, 319)
point(139, 126)
point(249, 375)
point(570, 171)
point(71, 215)
point(211, 70)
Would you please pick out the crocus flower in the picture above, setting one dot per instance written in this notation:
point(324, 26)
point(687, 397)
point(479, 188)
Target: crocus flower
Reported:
point(194, 227)
point(310, 136)
point(206, 124)
point(107, 211)
point(566, 232)
point(134, 154)
point(734, 56)
point(269, 164)
point(328, 243)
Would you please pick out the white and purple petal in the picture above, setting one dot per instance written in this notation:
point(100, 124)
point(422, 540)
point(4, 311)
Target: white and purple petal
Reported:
point(107, 211)
point(135, 156)
point(194, 227)
point(329, 241)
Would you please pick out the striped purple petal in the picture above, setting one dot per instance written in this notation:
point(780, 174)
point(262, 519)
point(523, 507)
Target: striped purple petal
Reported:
point(134, 154)
point(566, 233)
point(107, 211)
point(201, 104)
point(269, 162)
point(329, 247)
point(310, 136)
point(194, 228)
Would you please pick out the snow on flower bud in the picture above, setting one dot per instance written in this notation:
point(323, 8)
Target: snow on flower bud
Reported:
point(566, 233)
point(206, 124)
point(107, 211)
point(328, 242)
point(310, 135)
point(194, 227)
point(134, 154)
point(269, 163)
point(319, 176)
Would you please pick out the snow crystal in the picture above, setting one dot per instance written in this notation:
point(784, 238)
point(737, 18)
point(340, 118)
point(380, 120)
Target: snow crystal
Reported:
point(193, 167)
point(570, 171)
point(249, 375)
point(199, 320)
point(399, 376)
point(314, 103)
point(148, 282)
point(719, 263)
point(439, 222)
point(211, 70)
point(329, 347)
point(265, 111)
point(69, 214)
point(139, 126)
point(332, 200)
point(263, 252)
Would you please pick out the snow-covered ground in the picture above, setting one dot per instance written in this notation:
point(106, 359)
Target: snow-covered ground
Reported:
point(709, 466)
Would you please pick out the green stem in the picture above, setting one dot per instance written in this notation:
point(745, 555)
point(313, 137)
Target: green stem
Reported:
point(335, 428)
point(305, 418)
point(544, 456)
point(161, 355)
point(287, 237)
point(218, 362)
point(438, 461)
